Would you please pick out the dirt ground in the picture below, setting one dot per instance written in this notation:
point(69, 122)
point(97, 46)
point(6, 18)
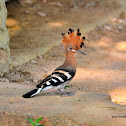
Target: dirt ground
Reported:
point(82, 109)
point(102, 70)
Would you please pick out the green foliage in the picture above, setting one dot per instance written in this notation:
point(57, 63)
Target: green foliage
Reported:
point(0, 125)
point(66, 87)
point(35, 122)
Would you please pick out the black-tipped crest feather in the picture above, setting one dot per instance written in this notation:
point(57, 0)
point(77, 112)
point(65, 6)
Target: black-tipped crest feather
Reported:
point(78, 30)
point(83, 38)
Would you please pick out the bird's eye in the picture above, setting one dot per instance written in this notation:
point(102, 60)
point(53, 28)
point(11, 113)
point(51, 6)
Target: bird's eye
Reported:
point(71, 48)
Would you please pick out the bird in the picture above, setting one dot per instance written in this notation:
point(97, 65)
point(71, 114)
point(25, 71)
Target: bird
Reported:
point(65, 73)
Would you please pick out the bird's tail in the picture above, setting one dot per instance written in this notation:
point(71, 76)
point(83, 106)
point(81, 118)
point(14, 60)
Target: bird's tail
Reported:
point(32, 93)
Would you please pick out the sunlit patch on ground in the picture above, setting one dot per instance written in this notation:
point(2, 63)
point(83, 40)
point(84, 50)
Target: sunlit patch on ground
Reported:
point(121, 46)
point(55, 24)
point(11, 22)
point(12, 26)
point(104, 42)
point(119, 96)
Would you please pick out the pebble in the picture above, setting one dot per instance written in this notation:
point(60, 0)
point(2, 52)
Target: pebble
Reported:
point(26, 82)
point(35, 81)
point(121, 21)
point(33, 61)
point(114, 20)
point(90, 4)
point(39, 56)
point(107, 27)
point(41, 14)
point(99, 27)
point(27, 12)
point(58, 4)
point(120, 27)
point(5, 80)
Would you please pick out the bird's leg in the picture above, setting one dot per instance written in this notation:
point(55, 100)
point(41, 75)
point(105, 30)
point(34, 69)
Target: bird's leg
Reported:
point(61, 89)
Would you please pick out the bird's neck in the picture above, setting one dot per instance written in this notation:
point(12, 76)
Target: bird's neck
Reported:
point(70, 60)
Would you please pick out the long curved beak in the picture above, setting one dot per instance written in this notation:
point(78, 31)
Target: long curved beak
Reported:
point(78, 51)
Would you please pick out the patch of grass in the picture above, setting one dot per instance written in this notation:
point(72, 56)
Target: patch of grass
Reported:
point(35, 122)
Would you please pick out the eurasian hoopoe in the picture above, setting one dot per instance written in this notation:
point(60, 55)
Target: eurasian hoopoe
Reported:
point(64, 73)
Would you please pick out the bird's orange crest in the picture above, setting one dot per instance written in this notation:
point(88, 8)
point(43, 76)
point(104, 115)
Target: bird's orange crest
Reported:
point(75, 40)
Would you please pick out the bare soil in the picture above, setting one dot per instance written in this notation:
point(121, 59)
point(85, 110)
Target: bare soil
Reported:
point(101, 70)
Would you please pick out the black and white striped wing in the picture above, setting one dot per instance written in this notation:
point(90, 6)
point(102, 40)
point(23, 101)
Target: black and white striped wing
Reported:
point(56, 79)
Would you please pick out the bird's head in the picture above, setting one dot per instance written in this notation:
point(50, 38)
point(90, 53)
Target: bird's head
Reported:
point(73, 43)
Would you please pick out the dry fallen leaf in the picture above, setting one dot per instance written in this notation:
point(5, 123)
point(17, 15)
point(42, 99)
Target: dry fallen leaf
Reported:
point(45, 75)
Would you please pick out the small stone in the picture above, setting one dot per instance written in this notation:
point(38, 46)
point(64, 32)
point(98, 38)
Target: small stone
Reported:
point(90, 4)
point(39, 56)
point(41, 14)
point(114, 20)
point(5, 80)
point(108, 27)
point(26, 82)
point(120, 27)
point(35, 81)
point(58, 4)
point(33, 61)
point(121, 21)
point(27, 12)
point(99, 27)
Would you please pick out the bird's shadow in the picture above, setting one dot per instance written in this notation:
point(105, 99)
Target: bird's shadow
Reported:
point(57, 93)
